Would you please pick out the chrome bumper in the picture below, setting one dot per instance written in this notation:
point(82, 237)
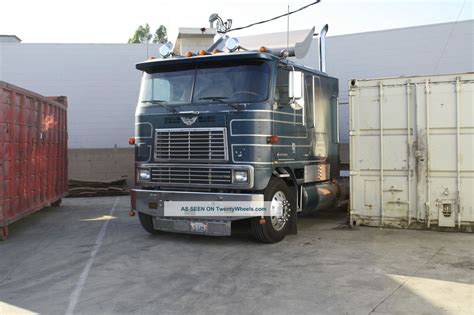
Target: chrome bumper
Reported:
point(152, 202)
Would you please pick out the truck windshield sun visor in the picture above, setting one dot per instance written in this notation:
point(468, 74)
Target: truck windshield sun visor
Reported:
point(229, 82)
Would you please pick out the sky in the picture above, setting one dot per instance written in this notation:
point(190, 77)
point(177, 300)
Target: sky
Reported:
point(114, 21)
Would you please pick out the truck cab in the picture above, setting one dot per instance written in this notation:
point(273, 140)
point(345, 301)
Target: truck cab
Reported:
point(237, 127)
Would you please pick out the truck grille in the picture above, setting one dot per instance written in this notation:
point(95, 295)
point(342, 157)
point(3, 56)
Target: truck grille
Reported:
point(194, 144)
point(177, 175)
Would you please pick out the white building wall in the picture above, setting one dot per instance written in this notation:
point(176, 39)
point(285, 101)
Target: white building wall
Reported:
point(100, 81)
point(399, 52)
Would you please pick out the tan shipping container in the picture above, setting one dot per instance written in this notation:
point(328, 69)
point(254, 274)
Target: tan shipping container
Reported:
point(411, 152)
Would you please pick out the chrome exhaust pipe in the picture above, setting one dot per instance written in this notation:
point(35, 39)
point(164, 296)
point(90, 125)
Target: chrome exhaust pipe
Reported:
point(322, 48)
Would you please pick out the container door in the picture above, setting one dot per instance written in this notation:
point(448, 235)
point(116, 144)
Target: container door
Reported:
point(396, 141)
point(450, 145)
point(382, 136)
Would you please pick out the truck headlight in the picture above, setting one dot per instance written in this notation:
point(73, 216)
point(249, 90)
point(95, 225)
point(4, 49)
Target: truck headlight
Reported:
point(144, 174)
point(241, 176)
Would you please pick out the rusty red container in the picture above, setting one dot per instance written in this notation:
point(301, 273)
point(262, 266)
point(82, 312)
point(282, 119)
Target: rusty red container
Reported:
point(33, 153)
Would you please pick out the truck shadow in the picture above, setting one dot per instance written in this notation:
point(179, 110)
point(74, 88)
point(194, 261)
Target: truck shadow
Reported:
point(335, 218)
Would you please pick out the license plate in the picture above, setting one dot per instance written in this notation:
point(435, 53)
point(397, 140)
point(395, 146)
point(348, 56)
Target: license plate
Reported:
point(199, 227)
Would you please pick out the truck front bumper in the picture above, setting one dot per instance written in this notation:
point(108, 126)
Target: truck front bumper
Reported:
point(152, 202)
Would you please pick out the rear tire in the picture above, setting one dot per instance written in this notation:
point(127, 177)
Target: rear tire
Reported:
point(147, 222)
point(275, 229)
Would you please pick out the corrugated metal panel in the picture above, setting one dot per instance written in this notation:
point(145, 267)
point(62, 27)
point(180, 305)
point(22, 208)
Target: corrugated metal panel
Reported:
point(411, 148)
point(33, 153)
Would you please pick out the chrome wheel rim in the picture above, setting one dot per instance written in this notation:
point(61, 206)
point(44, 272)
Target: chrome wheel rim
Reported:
point(279, 200)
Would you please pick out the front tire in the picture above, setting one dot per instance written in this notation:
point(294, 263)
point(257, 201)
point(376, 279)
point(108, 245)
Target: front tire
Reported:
point(275, 228)
point(146, 221)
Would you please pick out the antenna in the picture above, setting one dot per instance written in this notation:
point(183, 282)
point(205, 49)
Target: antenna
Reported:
point(288, 30)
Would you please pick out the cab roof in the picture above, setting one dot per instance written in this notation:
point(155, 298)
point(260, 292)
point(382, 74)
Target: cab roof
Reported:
point(154, 65)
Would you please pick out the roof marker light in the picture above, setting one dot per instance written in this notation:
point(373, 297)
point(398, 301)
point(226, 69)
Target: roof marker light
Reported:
point(216, 51)
point(202, 52)
point(188, 54)
point(262, 49)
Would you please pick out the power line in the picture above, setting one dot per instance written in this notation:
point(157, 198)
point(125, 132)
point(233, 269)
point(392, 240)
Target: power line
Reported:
point(274, 18)
point(449, 37)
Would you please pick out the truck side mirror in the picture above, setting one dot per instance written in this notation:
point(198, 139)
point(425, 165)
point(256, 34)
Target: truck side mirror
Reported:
point(295, 89)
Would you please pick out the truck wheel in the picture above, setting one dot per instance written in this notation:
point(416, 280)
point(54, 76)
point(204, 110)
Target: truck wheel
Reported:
point(147, 222)
point(275, 228)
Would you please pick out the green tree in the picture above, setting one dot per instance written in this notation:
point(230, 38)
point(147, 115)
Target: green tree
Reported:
point(161, 35)
point(142, 35)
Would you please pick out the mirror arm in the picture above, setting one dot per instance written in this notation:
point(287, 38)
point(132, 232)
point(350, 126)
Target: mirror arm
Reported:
point(293, 83)
point(303, 111)
point(338, 132)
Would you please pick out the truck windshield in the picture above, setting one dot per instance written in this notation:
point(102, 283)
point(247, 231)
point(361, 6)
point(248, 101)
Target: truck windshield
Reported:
point(222, 82)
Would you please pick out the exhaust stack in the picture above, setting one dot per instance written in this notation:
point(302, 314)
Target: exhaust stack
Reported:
point(322, 48)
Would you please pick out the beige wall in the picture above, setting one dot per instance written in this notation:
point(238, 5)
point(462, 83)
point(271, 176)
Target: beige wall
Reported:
point(101, 164)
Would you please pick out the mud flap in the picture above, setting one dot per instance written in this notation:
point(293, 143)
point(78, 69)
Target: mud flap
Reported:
point(293, 228)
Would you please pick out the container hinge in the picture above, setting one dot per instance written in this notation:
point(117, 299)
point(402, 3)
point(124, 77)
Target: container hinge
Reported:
point(458, 84)
point(419, 154)
point(352, 133)
point(427, 87)
point(353, 173)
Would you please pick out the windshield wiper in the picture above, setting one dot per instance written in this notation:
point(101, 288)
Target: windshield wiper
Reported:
point(161, 103)
point(154, 101)
point(219, 99)
point(214, 98)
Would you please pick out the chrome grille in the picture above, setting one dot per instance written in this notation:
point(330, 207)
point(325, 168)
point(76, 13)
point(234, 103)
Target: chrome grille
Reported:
point(176, 175)
point(193, 144)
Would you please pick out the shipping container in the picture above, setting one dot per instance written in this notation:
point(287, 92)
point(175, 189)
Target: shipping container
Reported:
point(411, 152)
point(33, 153)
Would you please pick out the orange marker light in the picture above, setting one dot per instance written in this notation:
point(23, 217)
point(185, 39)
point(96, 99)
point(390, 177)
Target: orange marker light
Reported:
point(262, 49)
point(202, 52)
point(273, 139)
point(261, 221)
point(216, 51)
point(188, 54)
point(131, 140)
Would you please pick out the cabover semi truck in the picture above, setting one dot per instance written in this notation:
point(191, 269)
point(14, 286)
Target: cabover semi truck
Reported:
point(232, 124)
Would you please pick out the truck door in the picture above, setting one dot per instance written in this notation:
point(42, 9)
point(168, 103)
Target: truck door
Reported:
point(306, 127)
point(286, 122)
